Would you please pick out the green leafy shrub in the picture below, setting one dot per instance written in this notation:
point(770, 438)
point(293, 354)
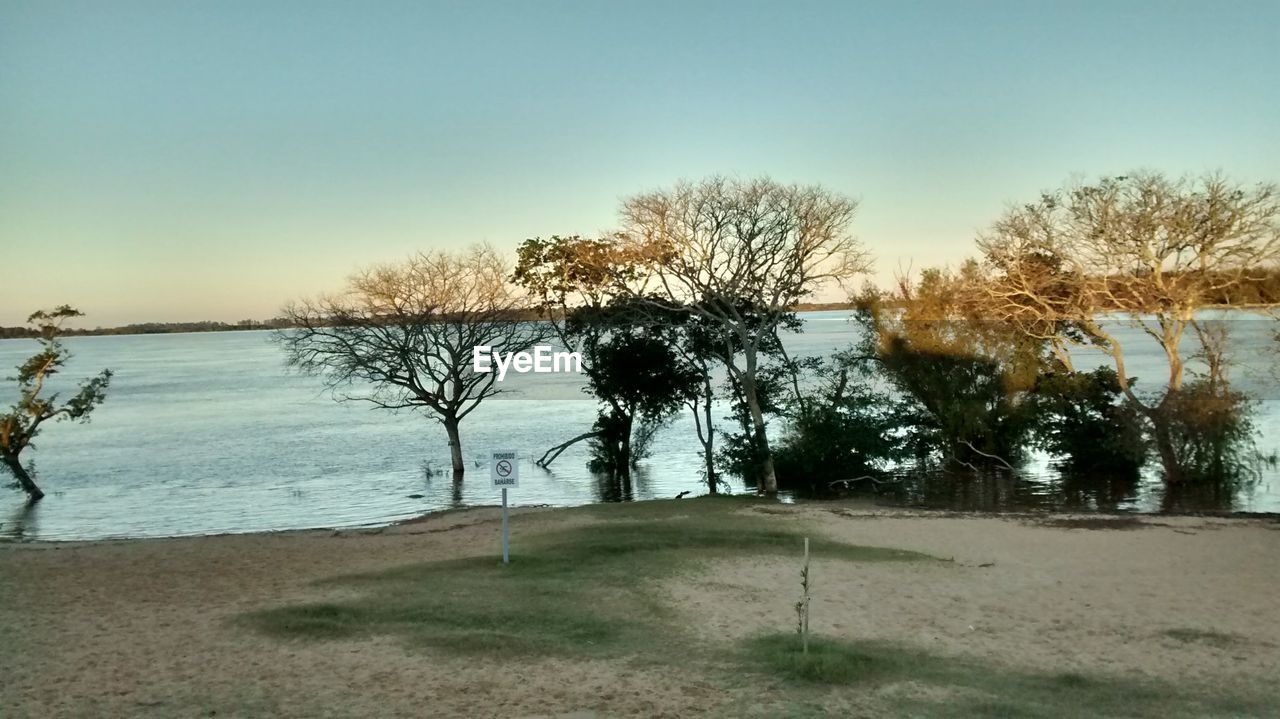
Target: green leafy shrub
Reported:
point(837, 436)
point(1212, 432)
point(1082, 419)
point(956, 407)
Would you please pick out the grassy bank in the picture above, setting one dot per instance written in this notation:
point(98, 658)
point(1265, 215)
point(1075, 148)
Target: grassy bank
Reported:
point(580, 591)
point(594, 590)
point(957, 687)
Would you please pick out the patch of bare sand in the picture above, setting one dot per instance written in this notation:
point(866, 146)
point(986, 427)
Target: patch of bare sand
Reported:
point(144, 628)
point(1178, 599)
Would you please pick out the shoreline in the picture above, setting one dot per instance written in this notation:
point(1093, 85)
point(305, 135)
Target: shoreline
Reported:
point(1267, 310)
point(853, 504)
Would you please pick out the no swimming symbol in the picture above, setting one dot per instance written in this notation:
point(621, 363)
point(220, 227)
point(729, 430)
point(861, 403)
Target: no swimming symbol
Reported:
point(503, 469)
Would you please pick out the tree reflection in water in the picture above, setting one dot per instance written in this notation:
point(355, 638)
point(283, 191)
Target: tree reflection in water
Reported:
point(21, 523)
point(1004, 490)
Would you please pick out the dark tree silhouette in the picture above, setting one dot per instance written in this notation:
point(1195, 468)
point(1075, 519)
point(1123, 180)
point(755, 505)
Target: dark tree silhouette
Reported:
point(630, 353)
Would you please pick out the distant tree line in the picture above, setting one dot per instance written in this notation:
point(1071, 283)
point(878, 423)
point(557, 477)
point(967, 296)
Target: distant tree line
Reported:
point(1262, 292)
point(150, 328)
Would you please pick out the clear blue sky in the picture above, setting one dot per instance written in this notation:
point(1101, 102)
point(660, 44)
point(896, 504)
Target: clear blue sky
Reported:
point(182, 160)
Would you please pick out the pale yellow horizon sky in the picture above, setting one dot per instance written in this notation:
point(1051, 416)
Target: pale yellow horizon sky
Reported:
point(183, 162)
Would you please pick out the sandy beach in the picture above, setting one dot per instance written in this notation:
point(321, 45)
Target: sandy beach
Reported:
point(149, 627)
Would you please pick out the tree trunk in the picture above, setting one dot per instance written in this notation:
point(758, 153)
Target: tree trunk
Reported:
point(624, 447)
point(1168, 454)
point(455, 447)
point(708, 444)
point(24, 480)
point(455, 495)
point(713, 484)
point(768, 481)
point(700, 405)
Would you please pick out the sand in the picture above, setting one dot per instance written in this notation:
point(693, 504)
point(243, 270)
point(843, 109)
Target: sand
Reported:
point(144, 627)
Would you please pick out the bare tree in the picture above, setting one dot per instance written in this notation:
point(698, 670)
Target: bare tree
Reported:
point(20, 425)
point(403, 335)
point(1143, 249)
point(740, 254)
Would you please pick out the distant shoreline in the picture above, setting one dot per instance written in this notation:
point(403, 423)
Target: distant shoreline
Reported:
point(164, 328)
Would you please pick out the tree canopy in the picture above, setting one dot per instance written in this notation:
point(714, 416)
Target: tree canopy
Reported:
point(35, 406)
point(403, 336)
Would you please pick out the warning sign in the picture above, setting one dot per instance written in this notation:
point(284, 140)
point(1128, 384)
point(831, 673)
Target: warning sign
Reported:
point(503, 469)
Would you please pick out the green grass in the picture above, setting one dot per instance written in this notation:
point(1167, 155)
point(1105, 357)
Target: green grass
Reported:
point(583, 591)
point(971, 688)
point(827, 662)
point(592, 591)
point(1213, 638)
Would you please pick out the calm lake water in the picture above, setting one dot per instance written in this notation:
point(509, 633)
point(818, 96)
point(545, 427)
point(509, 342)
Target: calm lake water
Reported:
point(207, 433)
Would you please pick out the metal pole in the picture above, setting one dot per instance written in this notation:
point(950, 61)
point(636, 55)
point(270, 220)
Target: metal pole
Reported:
point(505, 546)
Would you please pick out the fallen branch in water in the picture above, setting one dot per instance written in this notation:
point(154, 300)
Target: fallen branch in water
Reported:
point(873, 480)
point(550, 455)
point(997, 458)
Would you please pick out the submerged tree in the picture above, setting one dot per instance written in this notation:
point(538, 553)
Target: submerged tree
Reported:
point(640, 377)
point(777, 393)
point(1083, 419)
point(741, 453)
point(843, 435)
point(740, 254)
point(630, 353)
point(1142, 250)
point(20, 425)
point(403, 336)
point(961, 381)
point(701, 347)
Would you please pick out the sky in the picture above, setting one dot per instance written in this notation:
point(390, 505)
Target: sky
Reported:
point(175, 161)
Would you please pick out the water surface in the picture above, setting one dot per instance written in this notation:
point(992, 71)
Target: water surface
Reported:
point(206, 433)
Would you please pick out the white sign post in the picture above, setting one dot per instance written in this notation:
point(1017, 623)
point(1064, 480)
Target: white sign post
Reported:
point(505, 473)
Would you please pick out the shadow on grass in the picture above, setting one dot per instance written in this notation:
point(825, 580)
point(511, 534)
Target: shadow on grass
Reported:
point(949, 686)
point(580, 591)
point(1213, 638)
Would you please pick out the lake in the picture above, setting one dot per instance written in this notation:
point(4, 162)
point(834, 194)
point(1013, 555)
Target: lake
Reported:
point(206, 433)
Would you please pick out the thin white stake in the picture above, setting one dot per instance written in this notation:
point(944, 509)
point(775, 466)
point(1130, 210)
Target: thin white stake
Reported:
point(505, 543)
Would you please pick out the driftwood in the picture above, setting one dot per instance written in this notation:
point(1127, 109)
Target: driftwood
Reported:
point(550, 455)
point(998, 458)
point(867, 477)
